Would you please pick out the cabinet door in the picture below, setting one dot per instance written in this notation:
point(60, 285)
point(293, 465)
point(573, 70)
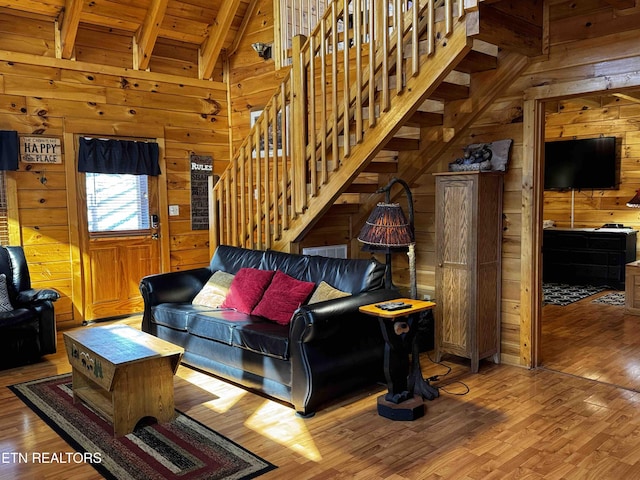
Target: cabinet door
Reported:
point(455, 257)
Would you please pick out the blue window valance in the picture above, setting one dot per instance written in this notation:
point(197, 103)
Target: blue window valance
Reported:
point(8, 150)
point(98, 155)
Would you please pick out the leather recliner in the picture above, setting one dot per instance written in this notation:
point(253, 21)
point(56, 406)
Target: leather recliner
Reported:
point(28, 331)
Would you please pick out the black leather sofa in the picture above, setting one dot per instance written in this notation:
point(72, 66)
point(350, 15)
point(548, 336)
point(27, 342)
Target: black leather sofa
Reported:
point(27, 320)
point(328, 349)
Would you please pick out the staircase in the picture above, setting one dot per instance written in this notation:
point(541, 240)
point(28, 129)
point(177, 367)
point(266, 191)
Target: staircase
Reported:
point(351, 94)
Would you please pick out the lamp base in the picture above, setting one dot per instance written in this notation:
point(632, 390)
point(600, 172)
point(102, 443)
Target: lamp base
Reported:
point(411, 409)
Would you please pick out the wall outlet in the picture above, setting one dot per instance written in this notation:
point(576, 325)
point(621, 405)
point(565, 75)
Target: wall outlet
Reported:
point(174, 210)
point(426, 297)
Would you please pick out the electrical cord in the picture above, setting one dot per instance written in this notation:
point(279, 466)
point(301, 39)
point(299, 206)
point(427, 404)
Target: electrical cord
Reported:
point(436, 378)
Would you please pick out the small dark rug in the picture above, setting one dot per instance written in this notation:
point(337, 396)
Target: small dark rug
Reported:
point(563, 294)
point(180, 449)
point(616, 299)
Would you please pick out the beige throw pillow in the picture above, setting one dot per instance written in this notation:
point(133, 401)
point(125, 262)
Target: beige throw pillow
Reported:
point(326, 292)
point(214, 291)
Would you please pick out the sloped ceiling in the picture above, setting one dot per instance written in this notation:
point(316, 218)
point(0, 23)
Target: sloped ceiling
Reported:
point(208, 25)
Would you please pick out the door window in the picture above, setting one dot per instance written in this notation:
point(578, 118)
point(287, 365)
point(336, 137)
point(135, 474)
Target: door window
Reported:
point(117, 203)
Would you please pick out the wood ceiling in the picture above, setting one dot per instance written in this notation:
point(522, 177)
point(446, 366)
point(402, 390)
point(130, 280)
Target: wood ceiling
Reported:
point(208, 25)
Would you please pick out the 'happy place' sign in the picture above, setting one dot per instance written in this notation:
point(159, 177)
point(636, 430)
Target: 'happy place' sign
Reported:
point(40, 150)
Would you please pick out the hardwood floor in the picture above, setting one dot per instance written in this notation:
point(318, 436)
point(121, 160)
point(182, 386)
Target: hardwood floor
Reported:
point(512, 423)
point(594, 341)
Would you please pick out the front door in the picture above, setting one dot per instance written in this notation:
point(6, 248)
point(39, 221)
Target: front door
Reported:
point(120, 241)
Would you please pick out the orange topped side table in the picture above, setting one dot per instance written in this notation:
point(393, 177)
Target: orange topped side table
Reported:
point(398, 324)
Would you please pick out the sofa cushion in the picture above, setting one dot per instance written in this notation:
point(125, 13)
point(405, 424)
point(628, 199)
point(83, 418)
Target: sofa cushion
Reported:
point(247, 289)
point(267, 338)
point(283, 296)
point(231, 259)
point(241, 330)
point(176, 315)
point(348, 275)
point(326, 292)
point(215, 290)
point(216, 325)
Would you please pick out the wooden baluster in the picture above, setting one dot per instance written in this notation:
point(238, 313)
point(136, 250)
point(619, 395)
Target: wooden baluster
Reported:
point(357, 22)
point(448, 14)
point(234, 200)
point(346, 147)
point(243, 196)
point(285, 156)
point(312, 115)
point(334, 85)
point(430, 27)
point(215, 227)
point(415, 41)
point(249, 193)
point(372, 66)
point(227, 210)
point(323, 94)
point(299, 127)
point(399, 26)
point(384, 17)
point(262, 146)
point(270, 134)
point(277, 153)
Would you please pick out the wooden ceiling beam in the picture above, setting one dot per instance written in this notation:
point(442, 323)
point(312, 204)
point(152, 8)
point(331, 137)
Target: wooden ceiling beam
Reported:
point(243, 28)
point(147, 35)
point(212, 45)
point(69, 28)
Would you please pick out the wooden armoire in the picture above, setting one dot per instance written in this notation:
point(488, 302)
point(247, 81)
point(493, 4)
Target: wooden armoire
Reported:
point(468, 265)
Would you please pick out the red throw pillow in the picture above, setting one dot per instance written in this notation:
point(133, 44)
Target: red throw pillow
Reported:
point(247, 288)
point(282, 298)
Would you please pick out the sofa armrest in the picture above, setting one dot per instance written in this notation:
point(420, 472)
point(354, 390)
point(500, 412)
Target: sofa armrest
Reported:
point(36, 295)
point(321, 320)
point(173, 287)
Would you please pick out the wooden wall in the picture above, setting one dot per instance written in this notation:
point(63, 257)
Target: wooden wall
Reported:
point(251, 80)
point(587, 118)
point(42, 95)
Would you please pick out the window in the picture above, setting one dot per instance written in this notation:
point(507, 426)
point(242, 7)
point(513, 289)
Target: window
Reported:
point(117, 202)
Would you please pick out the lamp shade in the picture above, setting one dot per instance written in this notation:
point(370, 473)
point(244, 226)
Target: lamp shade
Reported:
point(635, 201)
point(387, 227)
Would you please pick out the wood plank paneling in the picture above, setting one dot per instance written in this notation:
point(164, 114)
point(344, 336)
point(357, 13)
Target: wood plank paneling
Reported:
point(50, 99)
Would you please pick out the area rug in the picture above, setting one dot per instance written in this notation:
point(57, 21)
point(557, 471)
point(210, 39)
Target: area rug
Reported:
point(563, 294)
point(616, 299)
point(180, 449)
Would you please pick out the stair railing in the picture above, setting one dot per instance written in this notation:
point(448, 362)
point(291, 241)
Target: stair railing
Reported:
point(339, 85)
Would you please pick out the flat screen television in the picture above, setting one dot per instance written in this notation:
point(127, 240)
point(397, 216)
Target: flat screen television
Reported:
point(583, 164)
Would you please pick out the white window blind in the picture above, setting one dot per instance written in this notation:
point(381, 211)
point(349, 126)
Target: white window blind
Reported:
point(117, 202)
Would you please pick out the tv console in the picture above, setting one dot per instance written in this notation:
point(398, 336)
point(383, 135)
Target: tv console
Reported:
point(588, 256)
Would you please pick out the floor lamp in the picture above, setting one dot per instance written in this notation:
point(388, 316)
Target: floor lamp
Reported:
point(388, 231)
